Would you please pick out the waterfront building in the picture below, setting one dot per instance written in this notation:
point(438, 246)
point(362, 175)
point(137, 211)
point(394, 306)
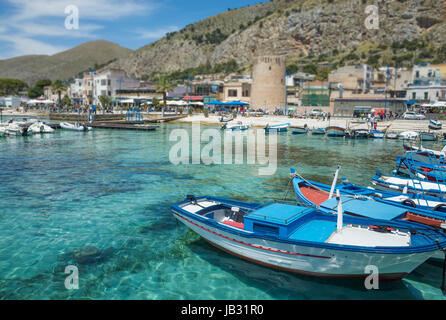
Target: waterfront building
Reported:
point(109, 81)
point(237, 91)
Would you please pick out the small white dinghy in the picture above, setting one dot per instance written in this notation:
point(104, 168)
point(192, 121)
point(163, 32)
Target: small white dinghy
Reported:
point(75, 127)
point(408, 135)
point(40, 127)
point(13, 129)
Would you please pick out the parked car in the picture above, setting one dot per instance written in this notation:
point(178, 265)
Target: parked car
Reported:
point(410, 115)
point(316, 113)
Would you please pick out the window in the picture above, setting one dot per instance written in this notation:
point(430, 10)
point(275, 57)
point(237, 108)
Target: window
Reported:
point(103, 82)
point(232, 93)
point(417, 74)
point(414, 95)
point(426, 95)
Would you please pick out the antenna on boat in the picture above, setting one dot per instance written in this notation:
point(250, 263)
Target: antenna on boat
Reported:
point(335, 179)
point(340, 212)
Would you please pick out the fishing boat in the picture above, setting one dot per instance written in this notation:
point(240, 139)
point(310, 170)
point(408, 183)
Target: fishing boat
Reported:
point(238, 126)
point(408, 135)
point(392, 135)
point(428, 136)
point(407, 165)
point(422, 154)
point(333, 131)
point(434, 125)
point(309, 241)
point(278, 127)
point(75, 127)
point(408, 185)
point(318, 131)
point(312, 193)
point(40, 127)
point(377, 134)
point(359, 134)
point(300, 130)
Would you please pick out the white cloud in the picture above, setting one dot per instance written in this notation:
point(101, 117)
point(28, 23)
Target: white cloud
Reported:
point(155, 33)
point(25, 46)
point(31, 19)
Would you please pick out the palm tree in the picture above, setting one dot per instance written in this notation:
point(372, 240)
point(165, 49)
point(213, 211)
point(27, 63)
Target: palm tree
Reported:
point(59, 87)
point(163, 85)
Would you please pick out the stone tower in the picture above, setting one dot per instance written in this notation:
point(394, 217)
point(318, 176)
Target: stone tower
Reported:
point(268, 85)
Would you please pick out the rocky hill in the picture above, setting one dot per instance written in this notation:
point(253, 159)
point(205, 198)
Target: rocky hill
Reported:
point(300, 29)
point(64, 65)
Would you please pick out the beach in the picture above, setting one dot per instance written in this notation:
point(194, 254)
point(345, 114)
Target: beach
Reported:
point(398, 125)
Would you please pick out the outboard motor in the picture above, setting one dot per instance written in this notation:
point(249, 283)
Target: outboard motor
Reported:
point(191, 198)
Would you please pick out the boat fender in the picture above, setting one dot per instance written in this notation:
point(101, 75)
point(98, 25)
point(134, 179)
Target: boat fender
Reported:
point(378, 195)
point(409, 203)
point(439, 206)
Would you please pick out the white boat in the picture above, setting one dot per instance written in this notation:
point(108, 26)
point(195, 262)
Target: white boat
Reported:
point(408, 135)
point(428, 136)
point(75, 127)
point(238, 126)
point(40, 127)
point(13, 129)
point(2, 131)
point(307, 240)
point(392, 135)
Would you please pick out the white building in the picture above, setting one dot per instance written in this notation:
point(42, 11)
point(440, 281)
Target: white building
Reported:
point(76, 91)
point(107, 82)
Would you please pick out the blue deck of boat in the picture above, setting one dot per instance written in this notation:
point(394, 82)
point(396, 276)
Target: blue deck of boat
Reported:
point(314, 230)
point(282, 214)
point(366, 208)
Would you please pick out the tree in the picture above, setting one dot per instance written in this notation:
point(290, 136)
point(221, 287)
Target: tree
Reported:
point(105, 101)
point(37, 90)
point(59, 87)
point(66, 100)
point(11, 86)
point(163, 85)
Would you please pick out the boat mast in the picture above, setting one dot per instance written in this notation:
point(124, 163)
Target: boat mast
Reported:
point(333, 185)
point(340, 212)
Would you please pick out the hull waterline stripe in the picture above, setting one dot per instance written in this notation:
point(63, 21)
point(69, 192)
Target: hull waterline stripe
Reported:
point(251, 245)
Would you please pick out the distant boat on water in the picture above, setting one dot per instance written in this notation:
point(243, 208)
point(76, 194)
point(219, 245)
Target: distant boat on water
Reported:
point(333, 131)
point(434, 125)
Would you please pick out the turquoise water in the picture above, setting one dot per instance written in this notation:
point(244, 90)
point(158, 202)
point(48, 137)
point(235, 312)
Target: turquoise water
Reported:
point(109, 192)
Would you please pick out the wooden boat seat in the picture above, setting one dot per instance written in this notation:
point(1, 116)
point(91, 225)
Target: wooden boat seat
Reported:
point(314, 195)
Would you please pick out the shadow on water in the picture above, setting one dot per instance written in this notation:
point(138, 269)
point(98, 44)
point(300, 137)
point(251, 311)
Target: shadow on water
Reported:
point(284, 285)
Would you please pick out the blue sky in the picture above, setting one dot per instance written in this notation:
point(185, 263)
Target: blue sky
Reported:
point(38, 26)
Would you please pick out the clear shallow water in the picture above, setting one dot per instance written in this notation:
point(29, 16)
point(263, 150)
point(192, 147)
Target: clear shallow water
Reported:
point(64, 193)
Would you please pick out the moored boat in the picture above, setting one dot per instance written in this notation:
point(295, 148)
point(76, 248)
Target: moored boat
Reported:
point(408, 135)
point(392, 135)
point(434, 125)
point(318, 131)
point(333, 131)
point(428, 136)
point(377, 134)
point(40, 127)
point(359, 134)
point(422, 154)
point(309, 241)
point(300, 130)
point(278, 127)
point(75, 127)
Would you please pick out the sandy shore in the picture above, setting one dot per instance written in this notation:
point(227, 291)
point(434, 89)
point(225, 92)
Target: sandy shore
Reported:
point(260, 122)
point(352, 123)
